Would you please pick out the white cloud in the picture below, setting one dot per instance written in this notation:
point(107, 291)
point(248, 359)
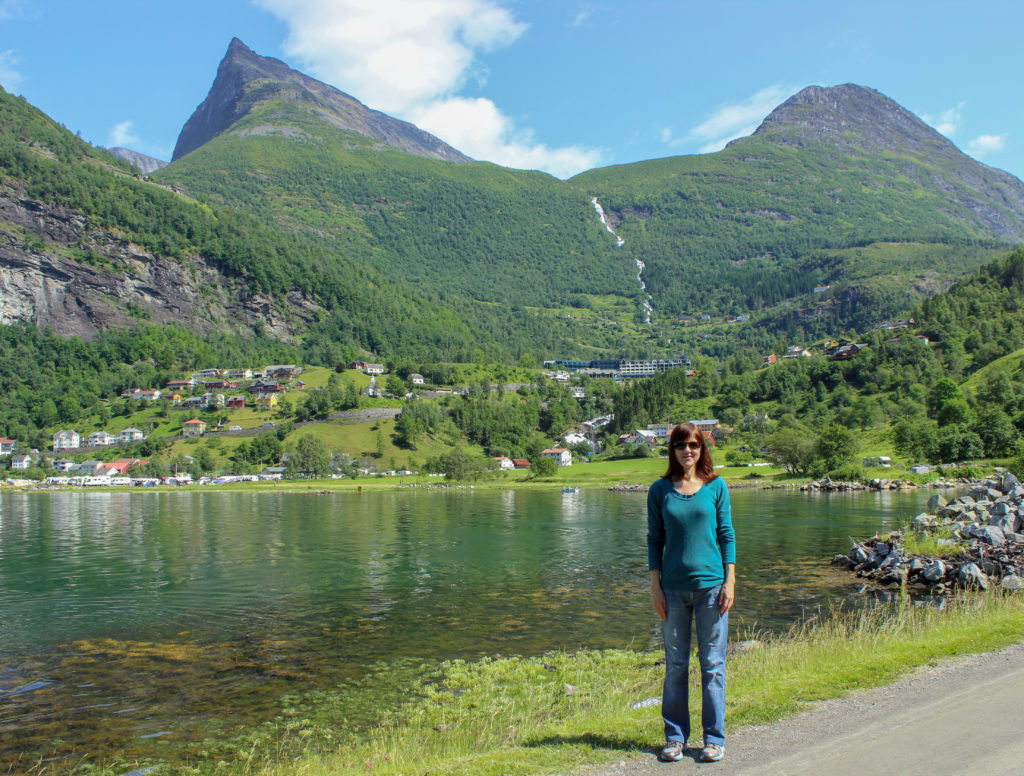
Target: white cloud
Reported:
point(477, 127)
point(740, 119)
point(582, 16)
point(986, 144)
point(947, 122)
point(410, 58)
point(10, 78)
point(121, 135)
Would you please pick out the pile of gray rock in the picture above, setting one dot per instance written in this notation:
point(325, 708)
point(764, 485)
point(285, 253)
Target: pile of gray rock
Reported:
point(827, 484)
point(985, 542)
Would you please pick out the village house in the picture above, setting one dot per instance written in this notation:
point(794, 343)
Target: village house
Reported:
point(357, 365)
point(181, 385)
point(795, 351)
point(520, 463)
point(193, 403)
point(7, 445)
point(374, 369)
point(559, 455)
point(214, 399)
point(662, 430)
point(213, 384)
point(238, 402)
point(266, 401)
point(239, 374)
point(639, 436)
point(578, 392)
point(89, 468)
point(416, 379)
point(21, 462)
point(281, 371)
point(64, 465)
point(206, 374)
point(771, 358)
point(102, 439)
point(504, 463)
point(193, 428)
point(130, 435)
point(66, 440)
point(122, 465)
point(266, 386)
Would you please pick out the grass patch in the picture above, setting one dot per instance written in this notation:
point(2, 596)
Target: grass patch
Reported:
point(546, 714)
point(927, 542)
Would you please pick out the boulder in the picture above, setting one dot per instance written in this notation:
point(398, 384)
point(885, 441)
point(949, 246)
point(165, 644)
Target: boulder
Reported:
point(999, 509)
point(1008, 483)
point(1003, 523)
point(935, 502)
point(923, 520)
point(858, 555)
point(975, 492)
point(935, 571)
point(1015, 537)
point(1013, 583)
point(972, 576)
point(988, 534)
point(882, 549)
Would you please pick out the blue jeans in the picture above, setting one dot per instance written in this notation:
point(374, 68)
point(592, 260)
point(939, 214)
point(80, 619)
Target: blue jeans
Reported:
point(712, 630)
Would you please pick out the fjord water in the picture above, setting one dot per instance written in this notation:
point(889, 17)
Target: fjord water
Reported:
point(136, 622)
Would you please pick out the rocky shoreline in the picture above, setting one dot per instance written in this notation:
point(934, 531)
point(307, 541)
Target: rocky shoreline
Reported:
point(982, 541)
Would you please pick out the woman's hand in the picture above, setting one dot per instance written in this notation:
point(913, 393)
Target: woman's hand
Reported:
point(660, 604)
point(728, 595)
point(658, 595)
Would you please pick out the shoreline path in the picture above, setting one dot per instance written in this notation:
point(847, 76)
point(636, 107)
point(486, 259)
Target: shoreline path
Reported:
point(960, 716)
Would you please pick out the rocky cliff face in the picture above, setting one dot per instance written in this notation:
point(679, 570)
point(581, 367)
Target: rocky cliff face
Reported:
point(858, 121)
point(146, 164)
point(245, 78)
point(43, 281)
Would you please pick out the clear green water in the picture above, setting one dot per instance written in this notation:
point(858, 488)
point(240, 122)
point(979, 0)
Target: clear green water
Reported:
point(156, 617)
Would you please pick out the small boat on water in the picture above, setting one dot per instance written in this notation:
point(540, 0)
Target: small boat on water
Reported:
point(570, 489)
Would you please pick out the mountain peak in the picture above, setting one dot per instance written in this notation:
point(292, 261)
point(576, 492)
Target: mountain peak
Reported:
point(245, 80)
point(853, 116)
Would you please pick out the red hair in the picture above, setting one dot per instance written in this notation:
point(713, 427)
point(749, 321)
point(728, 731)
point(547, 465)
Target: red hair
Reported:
point(704, 469)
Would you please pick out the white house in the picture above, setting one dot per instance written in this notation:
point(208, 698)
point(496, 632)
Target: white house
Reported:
point(130, 435)
point(578, 392)
point(559, 455)
point(416, 379)
point(21, 461)
point(66, 440)
point(7, 445)
point(102, 439)
point(239, 374)
point(640, 436)
point(64, 465)
point(504, 463)
point(374, 369)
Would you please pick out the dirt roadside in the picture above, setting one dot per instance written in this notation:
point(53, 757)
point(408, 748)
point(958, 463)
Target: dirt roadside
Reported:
point(960, 716)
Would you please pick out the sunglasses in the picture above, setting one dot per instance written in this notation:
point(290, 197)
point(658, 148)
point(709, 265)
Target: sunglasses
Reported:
point(693, 444)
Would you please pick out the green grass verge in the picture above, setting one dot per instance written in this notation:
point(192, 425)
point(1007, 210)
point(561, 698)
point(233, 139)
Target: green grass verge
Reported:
point(565, 710)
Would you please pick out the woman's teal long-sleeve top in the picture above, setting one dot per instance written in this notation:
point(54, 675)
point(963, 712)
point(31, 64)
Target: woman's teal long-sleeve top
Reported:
point(689, 538)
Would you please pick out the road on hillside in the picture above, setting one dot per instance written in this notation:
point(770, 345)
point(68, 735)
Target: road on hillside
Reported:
point(962, 716)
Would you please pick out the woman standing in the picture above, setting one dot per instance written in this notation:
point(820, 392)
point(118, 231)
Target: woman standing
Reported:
point(691, 552)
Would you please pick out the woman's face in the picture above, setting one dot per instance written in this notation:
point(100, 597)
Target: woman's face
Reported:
point(687, 452)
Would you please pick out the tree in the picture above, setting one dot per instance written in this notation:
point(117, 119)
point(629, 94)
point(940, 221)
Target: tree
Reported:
point(958, 443)
point(543, 467)
point(837, 445)
point(311, 456)
point(395, 385)
point(796, 449)
point(915, 439)
point(996, 431)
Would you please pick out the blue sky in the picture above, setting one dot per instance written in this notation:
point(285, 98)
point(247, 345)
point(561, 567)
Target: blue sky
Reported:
point(559, 85)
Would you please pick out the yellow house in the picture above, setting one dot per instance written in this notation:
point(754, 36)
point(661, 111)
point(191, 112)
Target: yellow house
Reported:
point(266, 401)
point(193, 428)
